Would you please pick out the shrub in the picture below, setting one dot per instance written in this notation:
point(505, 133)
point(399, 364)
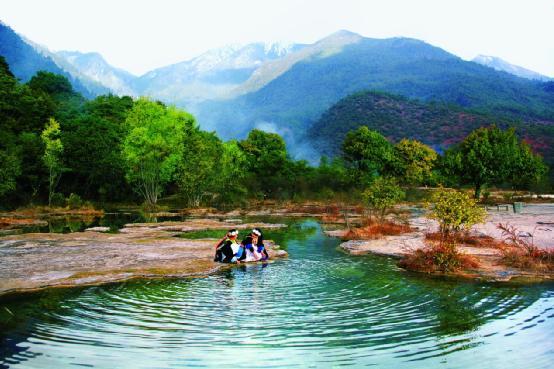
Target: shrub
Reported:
point(521, 252)
point(74, 201)
point(455, 211)
point(438, 257)
point(382, 194)
point(57, 199)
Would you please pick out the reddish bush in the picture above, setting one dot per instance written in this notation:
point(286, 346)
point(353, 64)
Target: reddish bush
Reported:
point(438, 257)
point(521, 252)
point(465, 238)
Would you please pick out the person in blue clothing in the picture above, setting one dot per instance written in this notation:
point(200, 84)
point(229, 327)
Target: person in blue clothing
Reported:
point(254, 248)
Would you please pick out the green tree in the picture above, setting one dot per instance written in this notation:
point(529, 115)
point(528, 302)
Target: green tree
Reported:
point(92, 148)
point(232, 175)
point(368, 153)
point(382, 194)
point(455, 211)
point(267, 159)
point(10, 169)
point(331, 175)
point(153, 147)
point(200, 166)
point(415, 161)
point(490, 155)
point(53, 153)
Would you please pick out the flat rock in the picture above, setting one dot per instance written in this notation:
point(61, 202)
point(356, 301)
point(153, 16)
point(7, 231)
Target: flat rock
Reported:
point(39, 260)
point(98, 229)
point(394, 246)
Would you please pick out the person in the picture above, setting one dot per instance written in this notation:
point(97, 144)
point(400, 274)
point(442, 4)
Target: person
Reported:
point(254, 248)
point(228, 250)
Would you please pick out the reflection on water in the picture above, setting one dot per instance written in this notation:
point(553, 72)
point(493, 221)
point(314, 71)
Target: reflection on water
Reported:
point(319, 308)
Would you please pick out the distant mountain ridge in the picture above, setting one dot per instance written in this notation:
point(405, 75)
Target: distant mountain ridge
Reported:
point(212, 75)
point(25, 58)
point(501, 65)
point(294, 99)
point(287, 87)
point(93, 66)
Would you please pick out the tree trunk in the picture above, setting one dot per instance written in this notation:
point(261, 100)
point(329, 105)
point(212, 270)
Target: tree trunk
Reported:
point(477, 191)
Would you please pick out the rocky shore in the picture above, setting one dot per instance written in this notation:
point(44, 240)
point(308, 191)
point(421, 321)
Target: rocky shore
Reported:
point(535, 220)
point(35, 261)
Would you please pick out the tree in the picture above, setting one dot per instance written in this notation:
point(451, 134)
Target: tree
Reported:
point(10, 169)
point(200, 165)
point(92, 148)
point(382, 194)
point(415, 161)
point(232, 174)
point(368, 152)
point(267, 159)
point(490, 155)
point(153, 147)
point(455, 211)
point(52, 158)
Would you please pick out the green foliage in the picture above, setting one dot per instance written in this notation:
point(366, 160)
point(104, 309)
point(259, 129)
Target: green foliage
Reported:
point(50, 83)
point(10, 169)
point(438, 124)
point(455, 211)
point(53, 153)
point(74, 201)
point(368, 153)
point(266, 155)
point(200, 166)
point(92, 148)
point(331, 175)
point(57, 199)
point(232, 175)
point(493, 156)
point(415, 161)
point(382, 194)
point(153, 147)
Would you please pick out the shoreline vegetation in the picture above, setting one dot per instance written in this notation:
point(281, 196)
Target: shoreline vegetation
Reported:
point(487, 252)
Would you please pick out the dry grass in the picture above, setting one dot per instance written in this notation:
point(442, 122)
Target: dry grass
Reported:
point(465, 238)
point(377, 230)
point(8, 222)
point(438, 257)
point(522, 253)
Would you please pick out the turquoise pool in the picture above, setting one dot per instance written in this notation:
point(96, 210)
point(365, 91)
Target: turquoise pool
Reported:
point(320, 308)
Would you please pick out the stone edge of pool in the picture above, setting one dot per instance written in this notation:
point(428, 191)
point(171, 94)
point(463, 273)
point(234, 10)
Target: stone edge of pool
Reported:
point(398, 247)
point(36, 261)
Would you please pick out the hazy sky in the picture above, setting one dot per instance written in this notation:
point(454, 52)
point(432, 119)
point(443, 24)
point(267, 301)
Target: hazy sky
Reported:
point(141, 35)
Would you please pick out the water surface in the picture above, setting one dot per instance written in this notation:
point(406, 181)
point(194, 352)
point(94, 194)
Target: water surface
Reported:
point(319, 308)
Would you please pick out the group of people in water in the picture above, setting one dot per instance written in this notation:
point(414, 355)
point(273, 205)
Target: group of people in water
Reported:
point(251, 248)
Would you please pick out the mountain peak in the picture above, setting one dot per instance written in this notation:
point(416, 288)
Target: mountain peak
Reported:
point(342, 33)
point(341, 36)
point(502, 65)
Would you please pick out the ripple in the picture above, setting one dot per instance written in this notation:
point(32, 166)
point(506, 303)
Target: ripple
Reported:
point(319, 307)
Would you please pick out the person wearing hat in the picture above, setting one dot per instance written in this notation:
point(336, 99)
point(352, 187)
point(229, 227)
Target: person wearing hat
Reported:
point(228, 250)
point(254, 247)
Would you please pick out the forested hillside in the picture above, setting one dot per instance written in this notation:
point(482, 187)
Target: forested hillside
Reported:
point(436, 124)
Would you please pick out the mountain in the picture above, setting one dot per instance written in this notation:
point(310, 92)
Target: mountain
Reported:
point(397, 117)
point(94, 67)
point(291, 93)
point(25, 58)
point(211, 75)
point(503, 66)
